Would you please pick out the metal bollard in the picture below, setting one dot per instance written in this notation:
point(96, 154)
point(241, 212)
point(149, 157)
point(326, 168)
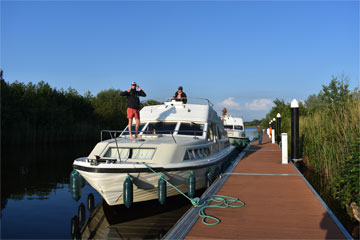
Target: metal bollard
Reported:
point(295, 130)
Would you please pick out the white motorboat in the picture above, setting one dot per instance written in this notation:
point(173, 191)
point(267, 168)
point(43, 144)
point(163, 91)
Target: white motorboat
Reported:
point(234, 126)
point(177, 140)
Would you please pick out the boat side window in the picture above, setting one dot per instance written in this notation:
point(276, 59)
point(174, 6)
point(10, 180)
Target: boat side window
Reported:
point(222, 132)
point(186, 157)
point(198, 153)
point(207, 151)
point(210, 133)
point(220, 136)
point(216, 133)
point(191, 154)
point(126, 130)
point(239, 127)
point(192, 129)
point(114, 153)
point(130, 153)
point(212, 136)
point(160, 127)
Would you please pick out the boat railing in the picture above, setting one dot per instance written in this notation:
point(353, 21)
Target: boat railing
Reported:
point(112, 133)
point(189, 100)
point(116, 133)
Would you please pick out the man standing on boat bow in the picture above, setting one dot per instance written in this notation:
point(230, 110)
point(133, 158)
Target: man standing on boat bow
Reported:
point(133, 104)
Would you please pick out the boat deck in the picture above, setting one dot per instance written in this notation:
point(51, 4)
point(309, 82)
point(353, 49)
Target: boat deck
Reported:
point(279, 203)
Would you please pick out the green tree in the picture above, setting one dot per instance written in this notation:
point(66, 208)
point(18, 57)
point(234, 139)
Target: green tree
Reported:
point(337, 92)
point(149, 103)
point(110, 107)
point(314, 103)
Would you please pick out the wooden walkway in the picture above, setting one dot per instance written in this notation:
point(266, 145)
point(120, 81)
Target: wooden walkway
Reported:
point(279, 203)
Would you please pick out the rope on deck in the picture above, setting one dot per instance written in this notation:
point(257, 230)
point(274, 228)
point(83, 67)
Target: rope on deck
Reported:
point(222, 201)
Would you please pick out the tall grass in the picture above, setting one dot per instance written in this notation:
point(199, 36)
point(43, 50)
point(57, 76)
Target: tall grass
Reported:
point(330, 140)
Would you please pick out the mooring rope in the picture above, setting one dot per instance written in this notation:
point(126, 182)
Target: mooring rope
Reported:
point(222, 201)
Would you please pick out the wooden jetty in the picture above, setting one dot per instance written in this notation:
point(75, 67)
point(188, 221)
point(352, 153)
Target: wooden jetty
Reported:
point(280, 204)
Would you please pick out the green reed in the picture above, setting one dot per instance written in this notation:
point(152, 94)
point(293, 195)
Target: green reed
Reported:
point(330, 144)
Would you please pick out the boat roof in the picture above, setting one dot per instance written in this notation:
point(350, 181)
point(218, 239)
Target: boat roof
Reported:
point(229, 120)
point(178, 111)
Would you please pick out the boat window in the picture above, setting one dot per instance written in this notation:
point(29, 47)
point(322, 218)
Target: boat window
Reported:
point(220, 136)
point(191, 129)
point(215, 130)
point(160, 127)
point(191, 154)
point(210, 133)
point(196, 152)
point(203, 153)
point(130, 153)
point(228, 127)
point(222, 132)
point(126, 130)
point(239, 127)
point(200, 153)
point(114, 153)
point(142, 153)
point(207, 151)
point(186, 157)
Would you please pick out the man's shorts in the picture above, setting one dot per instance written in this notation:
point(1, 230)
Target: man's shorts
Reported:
point(133, 113)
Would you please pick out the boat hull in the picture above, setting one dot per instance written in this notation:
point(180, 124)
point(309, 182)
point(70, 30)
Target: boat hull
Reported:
point(145, 182)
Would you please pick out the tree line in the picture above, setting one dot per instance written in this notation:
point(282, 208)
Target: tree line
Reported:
point(329, 136)
point(38, 113)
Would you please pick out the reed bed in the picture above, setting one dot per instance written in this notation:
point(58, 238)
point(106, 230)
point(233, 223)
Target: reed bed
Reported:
point(330, 144)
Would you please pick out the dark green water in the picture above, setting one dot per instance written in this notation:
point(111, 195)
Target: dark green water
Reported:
point(37, 202)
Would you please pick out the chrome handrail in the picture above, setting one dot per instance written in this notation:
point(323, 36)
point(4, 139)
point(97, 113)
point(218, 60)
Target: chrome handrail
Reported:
point(163, 100)
point(170, 132)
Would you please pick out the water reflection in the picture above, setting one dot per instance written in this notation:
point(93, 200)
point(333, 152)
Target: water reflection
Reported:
point(145, 220)
point(34, 172)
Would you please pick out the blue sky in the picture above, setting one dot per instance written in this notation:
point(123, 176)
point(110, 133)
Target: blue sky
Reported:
point(239, 54)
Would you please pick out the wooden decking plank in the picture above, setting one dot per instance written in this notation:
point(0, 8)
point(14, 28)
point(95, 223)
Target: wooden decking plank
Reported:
point(277, 206)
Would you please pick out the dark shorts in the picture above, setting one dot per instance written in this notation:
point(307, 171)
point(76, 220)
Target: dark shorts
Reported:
point(133, 113)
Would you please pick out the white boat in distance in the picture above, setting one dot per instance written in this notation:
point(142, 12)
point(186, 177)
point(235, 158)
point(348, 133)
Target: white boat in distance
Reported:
point(234, 126)
point(176, 138)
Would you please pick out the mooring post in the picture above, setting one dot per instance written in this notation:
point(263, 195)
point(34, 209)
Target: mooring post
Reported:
point(295, 131)
point(273, 131)
point(278, 128)
point(284, 148)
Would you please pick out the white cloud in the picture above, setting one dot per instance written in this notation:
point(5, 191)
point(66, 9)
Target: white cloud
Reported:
point(229, 103)
point(260, 104)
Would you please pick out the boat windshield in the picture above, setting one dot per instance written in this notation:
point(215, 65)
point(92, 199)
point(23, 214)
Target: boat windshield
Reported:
point(191, 129)
point(160, 127)
point(238, 127)
point(126, 130)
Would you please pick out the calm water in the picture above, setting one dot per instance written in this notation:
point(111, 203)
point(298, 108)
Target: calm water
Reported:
point(37, 203)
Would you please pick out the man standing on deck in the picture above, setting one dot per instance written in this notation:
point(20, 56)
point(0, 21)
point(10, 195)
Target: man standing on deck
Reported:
point(133, 104)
